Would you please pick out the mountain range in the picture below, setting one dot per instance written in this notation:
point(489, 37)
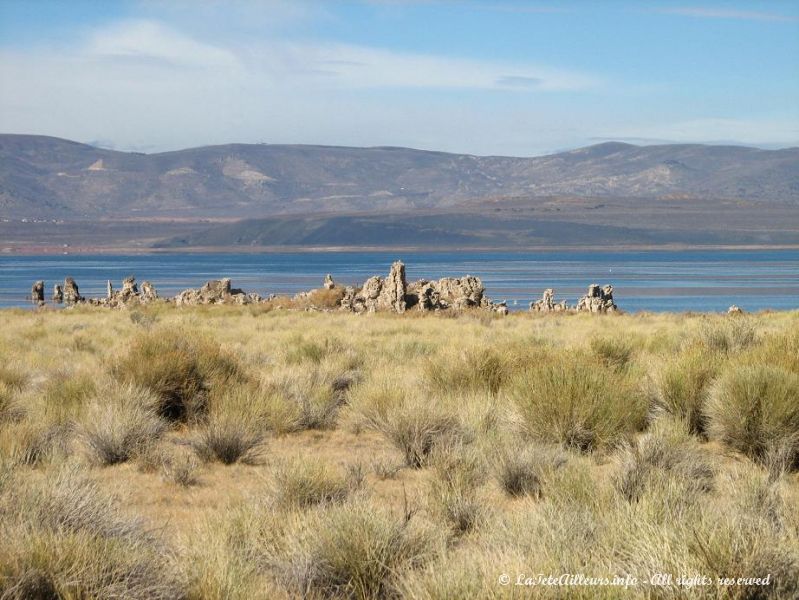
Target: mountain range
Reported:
point(329, 195)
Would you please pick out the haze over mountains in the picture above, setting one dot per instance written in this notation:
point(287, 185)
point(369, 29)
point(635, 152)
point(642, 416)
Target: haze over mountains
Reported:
point(323, 195)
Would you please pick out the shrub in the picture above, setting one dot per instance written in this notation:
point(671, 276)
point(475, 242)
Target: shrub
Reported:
point(217, 561)
point(64, 397)
point(415, 426)
point(228, 440)
point(663, 452)
point(121, 423)
point(181, 370)
point(728, 335)
point(9, 409)
point(322, 298)
point(417, 431)
point(296, 400)
point(181, 470)
point(521, 471)
point(753, 409)
point(680, 387)
point(481, 368)
point(356, 550)
point(309, 482)
point(453, 493)
point(748, 536)
point(72, 542)
point(314, 351)
point(12, 378)
point(572, 401)
point(31, 443)
point(613, 352)
point(386, 469)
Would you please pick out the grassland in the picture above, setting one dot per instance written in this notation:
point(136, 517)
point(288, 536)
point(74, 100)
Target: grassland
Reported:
point(221, 452)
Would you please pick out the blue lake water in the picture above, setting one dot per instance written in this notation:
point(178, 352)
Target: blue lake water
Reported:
point(656, 280)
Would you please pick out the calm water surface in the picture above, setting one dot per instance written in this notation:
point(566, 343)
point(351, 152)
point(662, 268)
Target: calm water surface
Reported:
point(655, 281)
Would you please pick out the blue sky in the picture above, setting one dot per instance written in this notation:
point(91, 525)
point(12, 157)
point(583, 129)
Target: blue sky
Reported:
point(482, 77)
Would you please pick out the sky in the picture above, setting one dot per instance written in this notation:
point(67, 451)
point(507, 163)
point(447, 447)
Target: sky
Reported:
point(480, 77)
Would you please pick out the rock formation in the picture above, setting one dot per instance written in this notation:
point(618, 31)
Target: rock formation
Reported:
point(378, 294)
point(462, 292)
point(329, 284)
point(217, 291)
point(394, 294)
point(735, 310)
point(129, 294)
point(58, 294)
point(448, 292)
point(37, 293)
point(348, 299)
point(500, 308)
point(547, 303)
point(597, 300)
point(148, 293)
point(71, 294)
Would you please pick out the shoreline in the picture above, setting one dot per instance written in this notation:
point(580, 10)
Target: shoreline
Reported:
point(133, 250)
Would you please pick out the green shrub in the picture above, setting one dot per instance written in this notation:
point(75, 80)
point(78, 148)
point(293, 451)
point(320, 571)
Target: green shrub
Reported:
point(9, 410)
point(313, 351)
point(664, 452)
point(572, 401)
point(32, 443)
point(72, 542)
point(228, 440)
point(416, 426)
point(613, 352)
point(121, 423)
point(358, 551)
point(453, 495)
point(13, 379)
point(301, 399)
point(309, 482)
point(417, 431)
point(64, 397)
point(521, 471)
point(181, 470)
point(482, 368)
point(753, 409)
point(680, 386)
point(180, 369)
point(728, 335)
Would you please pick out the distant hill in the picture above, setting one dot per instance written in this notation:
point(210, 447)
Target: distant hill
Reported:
point(44, 177)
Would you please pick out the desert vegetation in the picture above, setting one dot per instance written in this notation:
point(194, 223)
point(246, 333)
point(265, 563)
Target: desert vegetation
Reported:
point(232, 452)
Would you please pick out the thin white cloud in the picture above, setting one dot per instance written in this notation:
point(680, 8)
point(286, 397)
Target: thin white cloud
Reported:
point(274, 62)
point(726, 13)
point(151, 41)
point(355, 67)
point(144, 84)
point(753, 131)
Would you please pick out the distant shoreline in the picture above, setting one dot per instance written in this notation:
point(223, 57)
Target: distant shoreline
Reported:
point(104, 250)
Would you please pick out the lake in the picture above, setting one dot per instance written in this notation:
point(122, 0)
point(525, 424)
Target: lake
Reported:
point(677, 281)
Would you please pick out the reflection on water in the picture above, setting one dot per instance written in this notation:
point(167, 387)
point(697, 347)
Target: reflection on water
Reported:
point(657, 281)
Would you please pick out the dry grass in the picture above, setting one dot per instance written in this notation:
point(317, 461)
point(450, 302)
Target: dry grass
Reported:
point(303, 483)
point(263, 453)
point(182, 370)
point(755, 410)
point(578, 403)
point(121, 423)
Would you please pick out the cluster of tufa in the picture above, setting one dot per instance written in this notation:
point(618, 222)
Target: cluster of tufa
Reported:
point(69, 294)
point(394, 294)
point(597, 300)
point(377, 294)
point(217, 291)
